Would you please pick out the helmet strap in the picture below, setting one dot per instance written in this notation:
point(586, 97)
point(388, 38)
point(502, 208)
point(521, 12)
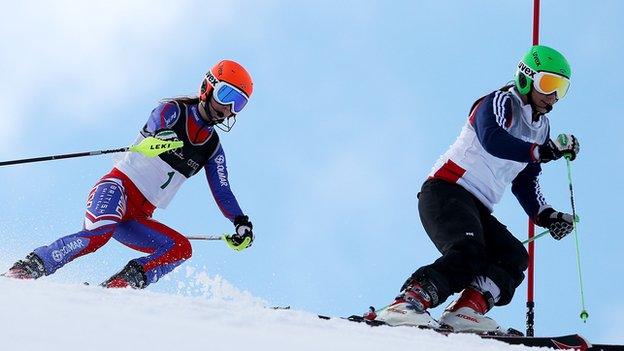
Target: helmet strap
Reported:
point(225, 125)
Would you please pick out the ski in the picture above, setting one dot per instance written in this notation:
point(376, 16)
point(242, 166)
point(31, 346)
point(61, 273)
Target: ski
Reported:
point(511, 336)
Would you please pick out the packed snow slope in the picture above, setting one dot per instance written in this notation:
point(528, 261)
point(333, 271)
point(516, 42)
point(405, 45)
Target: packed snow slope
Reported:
point(43, 315)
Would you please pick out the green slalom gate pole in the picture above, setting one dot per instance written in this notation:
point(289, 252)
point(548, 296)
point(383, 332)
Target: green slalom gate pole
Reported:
point(584, 315)
point(149, 147)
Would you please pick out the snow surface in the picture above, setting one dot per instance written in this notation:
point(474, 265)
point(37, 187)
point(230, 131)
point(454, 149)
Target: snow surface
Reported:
point(44, 315)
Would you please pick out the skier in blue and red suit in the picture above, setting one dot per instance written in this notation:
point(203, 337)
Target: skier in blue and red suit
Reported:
point(121, 203)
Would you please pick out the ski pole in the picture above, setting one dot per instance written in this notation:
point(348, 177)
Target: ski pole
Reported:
point(536, 237)
point(584, 315)
point(149, 147)
point(206, 237)
point(225, 237)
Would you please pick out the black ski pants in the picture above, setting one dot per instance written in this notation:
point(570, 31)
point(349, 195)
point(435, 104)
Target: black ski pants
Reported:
point(472, 242)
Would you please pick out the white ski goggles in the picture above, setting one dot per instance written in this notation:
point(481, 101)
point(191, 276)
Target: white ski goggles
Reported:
point(227, 94)
point(548, 83)
point(224, 93)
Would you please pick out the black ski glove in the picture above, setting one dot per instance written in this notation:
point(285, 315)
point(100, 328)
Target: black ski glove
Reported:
point(565, 144)
point(558, 223)
point(243, 238)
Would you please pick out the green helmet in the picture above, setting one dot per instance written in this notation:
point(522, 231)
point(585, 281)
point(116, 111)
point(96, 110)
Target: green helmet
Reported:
point(540, 59)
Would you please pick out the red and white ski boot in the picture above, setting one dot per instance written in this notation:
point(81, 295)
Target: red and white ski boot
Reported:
point(409, 308)
point(467, 314)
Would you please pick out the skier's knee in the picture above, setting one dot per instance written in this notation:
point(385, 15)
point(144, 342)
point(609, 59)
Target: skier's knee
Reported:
point(523, 260)
point(181, 250)
point(185, 249)
point(516, 262)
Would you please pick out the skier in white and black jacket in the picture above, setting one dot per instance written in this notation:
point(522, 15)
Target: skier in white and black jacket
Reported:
point(505, 141)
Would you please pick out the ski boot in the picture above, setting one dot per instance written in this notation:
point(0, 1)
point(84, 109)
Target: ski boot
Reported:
point(409, 308)
point(467, 313)
point(29, 268)
point(132, 275)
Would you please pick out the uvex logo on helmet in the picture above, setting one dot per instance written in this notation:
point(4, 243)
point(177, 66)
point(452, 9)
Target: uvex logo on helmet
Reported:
point(211, 78)
point(526, 70)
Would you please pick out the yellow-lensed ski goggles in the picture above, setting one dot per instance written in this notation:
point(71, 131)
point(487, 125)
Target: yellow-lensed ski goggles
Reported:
point(548, 83)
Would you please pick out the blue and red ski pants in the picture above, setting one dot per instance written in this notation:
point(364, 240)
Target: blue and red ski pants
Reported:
point(117, 209)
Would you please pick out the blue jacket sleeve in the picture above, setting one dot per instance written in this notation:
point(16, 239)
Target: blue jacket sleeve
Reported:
point(491, 118)
point(527, 190)
point(216, 172)
point(162, 117)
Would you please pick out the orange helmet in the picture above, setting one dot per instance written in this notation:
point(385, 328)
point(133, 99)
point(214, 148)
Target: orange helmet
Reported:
point(227, 71)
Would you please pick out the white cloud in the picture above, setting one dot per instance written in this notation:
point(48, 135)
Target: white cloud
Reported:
point(78, 56)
